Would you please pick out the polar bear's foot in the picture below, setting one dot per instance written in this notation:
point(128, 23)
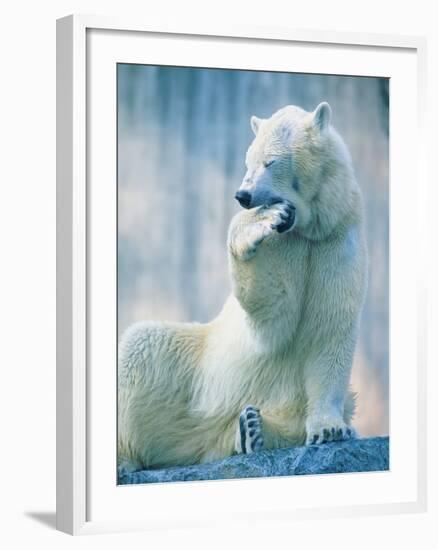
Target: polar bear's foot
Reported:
point(249, 436)
point(326, 430)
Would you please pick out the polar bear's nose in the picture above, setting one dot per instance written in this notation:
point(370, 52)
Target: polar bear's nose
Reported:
point(244, 198)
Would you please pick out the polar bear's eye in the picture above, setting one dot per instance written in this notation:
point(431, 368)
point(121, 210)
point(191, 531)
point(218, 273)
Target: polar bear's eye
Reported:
point(268, 163)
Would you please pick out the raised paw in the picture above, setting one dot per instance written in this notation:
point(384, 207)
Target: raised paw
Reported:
point(325, 431)
point(249, 436)
point(284, 216)
point(245, 238)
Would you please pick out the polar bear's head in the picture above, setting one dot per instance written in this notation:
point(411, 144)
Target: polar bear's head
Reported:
point(297, 156)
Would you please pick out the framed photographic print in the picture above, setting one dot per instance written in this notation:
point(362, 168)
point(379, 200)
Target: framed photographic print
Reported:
point(240, 275)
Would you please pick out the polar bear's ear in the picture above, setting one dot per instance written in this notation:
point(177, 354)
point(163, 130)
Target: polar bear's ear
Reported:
point(255, 124)
point(322, 116)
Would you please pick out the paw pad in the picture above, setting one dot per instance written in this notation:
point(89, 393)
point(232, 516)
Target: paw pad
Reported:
point(250, 436)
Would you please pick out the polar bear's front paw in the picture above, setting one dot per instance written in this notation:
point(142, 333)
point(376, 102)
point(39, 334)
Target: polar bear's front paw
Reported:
point(279, 217)
point(283, 214)
point(256, 234)
point(249, 436)
point(328, 429)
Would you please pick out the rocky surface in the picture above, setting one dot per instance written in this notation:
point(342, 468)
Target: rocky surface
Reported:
point(358, 455)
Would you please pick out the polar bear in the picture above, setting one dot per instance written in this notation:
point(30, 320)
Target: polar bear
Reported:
point(273, 369)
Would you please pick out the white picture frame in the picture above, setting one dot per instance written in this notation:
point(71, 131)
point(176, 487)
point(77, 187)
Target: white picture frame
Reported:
point(76, 470)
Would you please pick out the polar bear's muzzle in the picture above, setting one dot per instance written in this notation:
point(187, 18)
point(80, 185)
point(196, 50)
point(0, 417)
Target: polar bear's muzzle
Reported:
point(243, 198)
point(256, 197)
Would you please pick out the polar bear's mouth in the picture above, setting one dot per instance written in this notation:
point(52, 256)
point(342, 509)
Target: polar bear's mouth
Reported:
point(256, 198)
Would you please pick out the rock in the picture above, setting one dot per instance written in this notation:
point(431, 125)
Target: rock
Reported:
point(356, 455)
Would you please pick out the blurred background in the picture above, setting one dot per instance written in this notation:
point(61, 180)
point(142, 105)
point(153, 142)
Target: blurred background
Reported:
point(182, 138)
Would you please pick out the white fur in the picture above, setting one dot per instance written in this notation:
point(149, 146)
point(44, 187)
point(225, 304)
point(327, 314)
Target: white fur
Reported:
point(285, 338)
